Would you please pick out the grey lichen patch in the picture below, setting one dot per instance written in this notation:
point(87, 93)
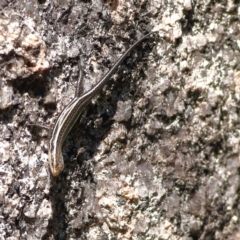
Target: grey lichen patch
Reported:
point(124, 111)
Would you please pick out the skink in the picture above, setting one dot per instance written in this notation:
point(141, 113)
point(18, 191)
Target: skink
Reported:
point(71, 113)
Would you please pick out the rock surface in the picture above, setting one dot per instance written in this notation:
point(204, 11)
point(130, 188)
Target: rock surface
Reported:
point(156, 154)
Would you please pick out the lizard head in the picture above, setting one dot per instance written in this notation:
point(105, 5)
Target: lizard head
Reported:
point(55, 160)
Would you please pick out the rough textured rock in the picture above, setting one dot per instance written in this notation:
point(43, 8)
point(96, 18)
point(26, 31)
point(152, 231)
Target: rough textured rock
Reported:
point(156, 154)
